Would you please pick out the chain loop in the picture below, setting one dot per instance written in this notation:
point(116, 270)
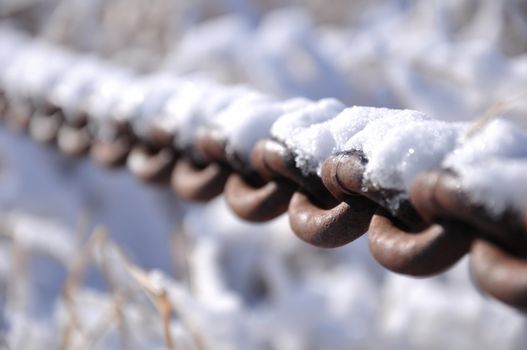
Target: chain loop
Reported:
point(499, 273)
point(152, 158)
point(321, 218)
point(111, 154)
point(420, 233)
point(202, 180)
point(198, 183)
point(415, 252)
point(257, 203)
point(152, 165)
point(326, 228)
point(440, 196)
point(264, 194)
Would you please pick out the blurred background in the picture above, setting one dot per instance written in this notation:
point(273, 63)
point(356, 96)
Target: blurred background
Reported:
point(94, 259)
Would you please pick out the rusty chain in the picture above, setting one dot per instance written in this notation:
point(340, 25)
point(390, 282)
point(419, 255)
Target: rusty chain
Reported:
point(426, 235)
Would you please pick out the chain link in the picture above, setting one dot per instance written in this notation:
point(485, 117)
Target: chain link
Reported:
point(424, 235)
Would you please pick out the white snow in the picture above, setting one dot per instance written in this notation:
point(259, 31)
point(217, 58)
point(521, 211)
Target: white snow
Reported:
point(77, 83)
point(403, 145)
point(399, 144)
point(99, 104)
point(320, 137)
point(11, 43)
point(290, 124)
point(38, 235)
point(492, 163)
point(129, 99)
point(247, 121)
point(34, 70)
point(159, 88)
point(196, 103)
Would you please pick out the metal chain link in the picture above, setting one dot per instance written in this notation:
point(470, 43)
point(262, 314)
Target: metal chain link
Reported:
point(427, 234)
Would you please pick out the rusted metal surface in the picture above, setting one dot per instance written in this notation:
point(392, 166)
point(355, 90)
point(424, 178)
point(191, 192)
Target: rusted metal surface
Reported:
point(327, 227)
point(421, 235)
point(498, 253)
point(423, 252)
point(441, 196)
point(335, 218)
point(257, 202)
point(499, 273)
point(399, 239)
point(263, 194)
point(152, 165)
point(211, 145)
point(202, 179)
point(111, 154)
point(198, 183)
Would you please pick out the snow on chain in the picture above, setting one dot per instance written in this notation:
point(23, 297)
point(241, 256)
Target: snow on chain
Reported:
point(398, 144)
point(313, 300)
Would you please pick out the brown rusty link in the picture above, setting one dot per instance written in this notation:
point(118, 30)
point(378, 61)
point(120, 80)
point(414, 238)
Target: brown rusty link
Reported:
point(202, 178)
point(270, 159)
point(159, 138)
point(210, 144)
point(263, 194)
point(439, 195)
point(349, 170)
point(257, 203)
point(151, 164)
point(279, 162)
point(73, 141)
point(403, 243)
point(500, 274)
point(111, 154)
point(327, 228)
point(331, 223)
point(153, 158)
point(424, 252)
point(44, 125)
point(198, 183)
